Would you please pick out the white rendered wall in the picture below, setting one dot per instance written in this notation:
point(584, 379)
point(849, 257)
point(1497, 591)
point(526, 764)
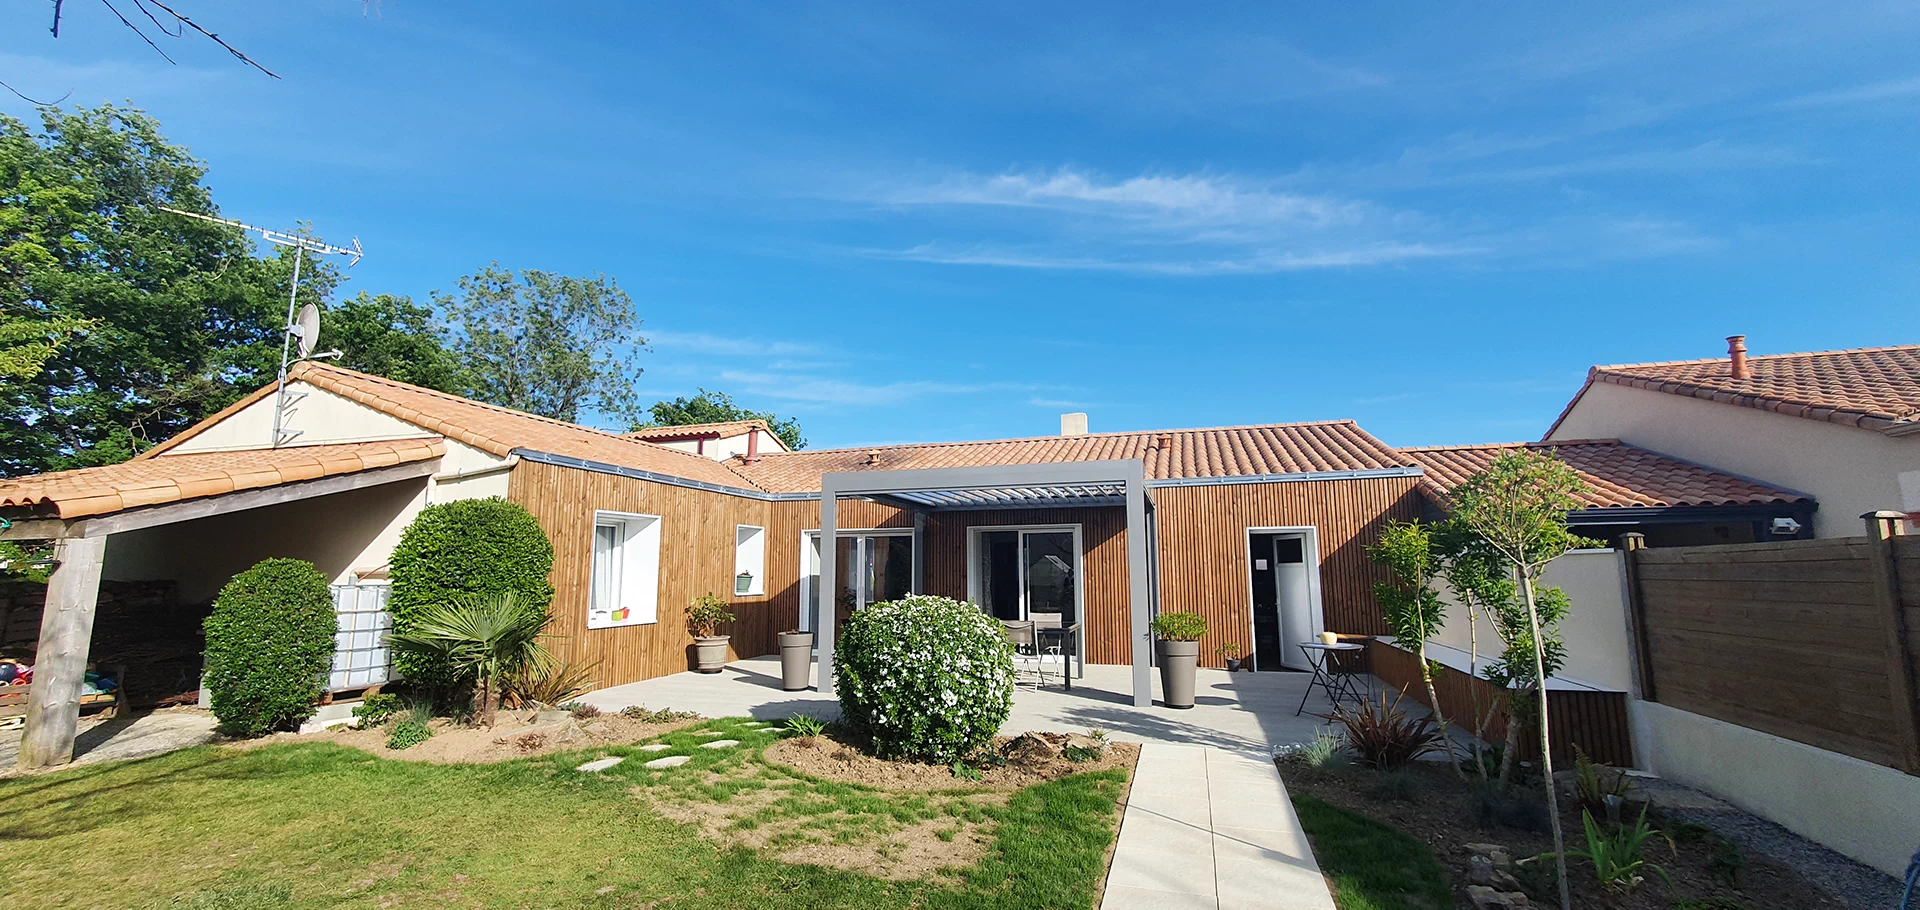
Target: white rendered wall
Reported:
point(1848, 470)
point(1599, 652)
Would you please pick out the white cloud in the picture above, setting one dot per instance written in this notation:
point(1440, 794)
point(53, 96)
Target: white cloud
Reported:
point(1259, 263)
point(1890, 90)
point(1181, 200)
point(843, 392)
point(727, 345)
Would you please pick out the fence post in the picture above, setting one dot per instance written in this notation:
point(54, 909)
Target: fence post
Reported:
point(1631, 543)
point(1882, 528)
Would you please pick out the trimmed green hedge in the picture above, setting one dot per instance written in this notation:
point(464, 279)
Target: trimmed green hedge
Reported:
point(269, 646)
point(929, 678)
point(469, 546)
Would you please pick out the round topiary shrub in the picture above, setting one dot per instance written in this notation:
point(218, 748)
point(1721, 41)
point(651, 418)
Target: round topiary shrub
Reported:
point(459, 548)
point(928, 678)
point(269, 646)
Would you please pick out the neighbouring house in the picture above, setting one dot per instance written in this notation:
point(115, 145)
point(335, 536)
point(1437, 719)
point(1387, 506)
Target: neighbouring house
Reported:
point(1841, 426)
point(718, 441)
point(1261, 529)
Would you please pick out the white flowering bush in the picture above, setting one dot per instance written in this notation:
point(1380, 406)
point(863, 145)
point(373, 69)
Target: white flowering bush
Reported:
point(928, 678)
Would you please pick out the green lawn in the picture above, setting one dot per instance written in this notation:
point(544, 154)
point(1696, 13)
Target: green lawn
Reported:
point(321, 825)
point(1373, 866)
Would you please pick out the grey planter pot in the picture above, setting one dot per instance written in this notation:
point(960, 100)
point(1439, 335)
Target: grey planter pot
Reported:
point(1177, 661)
point(796, 660)
point(710, 654)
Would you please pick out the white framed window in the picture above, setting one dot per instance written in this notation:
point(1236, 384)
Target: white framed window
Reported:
point(626, 570)
point(749, 561)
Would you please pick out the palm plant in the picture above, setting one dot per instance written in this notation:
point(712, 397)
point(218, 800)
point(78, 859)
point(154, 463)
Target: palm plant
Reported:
point(547, 680)
point(485, 637)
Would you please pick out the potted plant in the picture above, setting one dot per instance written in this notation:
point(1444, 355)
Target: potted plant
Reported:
point(704, 619)
point(796, 658)
point(1178, 650)
point(743, 583)
point(1230, 653)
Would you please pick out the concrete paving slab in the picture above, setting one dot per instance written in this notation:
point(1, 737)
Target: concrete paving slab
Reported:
point(671, 761)
point(600, 764)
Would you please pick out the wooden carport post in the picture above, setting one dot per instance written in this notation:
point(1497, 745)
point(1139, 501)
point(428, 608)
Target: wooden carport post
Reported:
point(60, 664)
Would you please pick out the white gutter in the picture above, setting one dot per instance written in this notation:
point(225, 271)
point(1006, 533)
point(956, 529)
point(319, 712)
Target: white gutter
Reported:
point(470, 473)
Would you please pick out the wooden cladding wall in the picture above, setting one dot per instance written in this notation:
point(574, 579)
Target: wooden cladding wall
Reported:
point(696, 556)
point(1203, 548)
point(1595, 721)
point(1793, 638)
point(1103, 539)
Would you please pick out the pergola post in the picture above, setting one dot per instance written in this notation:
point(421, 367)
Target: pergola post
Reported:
point(60, 663)
point(919, 582)
point(827, 599)
point(1139, 591)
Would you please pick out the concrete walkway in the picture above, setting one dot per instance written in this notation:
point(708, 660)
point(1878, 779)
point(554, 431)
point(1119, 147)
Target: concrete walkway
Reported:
point(1249, 714)
point(1214, 829)
point(135, 736)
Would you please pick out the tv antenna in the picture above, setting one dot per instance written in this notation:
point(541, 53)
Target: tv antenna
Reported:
point(303, 322)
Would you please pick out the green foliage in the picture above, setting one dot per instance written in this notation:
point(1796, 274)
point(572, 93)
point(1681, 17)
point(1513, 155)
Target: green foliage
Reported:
point(460, 548)
point(1411, 606)
point(1707, 903)
point(408, 733)
point(964, 771)
point(805, 725)
point(391, 336)
point(1371, 865)
point(547, 680)
point(1596, 785)
point(32, 562)
point(581, 710)
point(483, 639)
point(1619, 856)
point(928, 678)
point(1397, 786)
point(1385, 739)
point(1179, 626)
point(718, 407)
point(141, 322)
point(1518, 505)
point(662, 716)
point(1726, 862)
point(373, 710)
point(707, 614)
point(269, 644)
point(1078, 753)
point(544, 343)
point(1325, 752)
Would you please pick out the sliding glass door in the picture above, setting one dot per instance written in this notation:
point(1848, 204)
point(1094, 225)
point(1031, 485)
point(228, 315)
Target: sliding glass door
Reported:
point(1028, 574)
point(869, 567)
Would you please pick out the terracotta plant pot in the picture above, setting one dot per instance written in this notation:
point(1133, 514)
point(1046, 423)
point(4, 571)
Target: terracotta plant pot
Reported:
point(1177, 662)
point(710, 653)
point(796, 660)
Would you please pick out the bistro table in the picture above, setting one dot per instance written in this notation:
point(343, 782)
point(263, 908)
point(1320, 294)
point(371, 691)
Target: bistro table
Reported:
point(1336, 685)
point(1068, 638)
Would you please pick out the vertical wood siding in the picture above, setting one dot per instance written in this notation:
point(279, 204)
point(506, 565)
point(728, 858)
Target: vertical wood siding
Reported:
point(1203, 548)
point(696, 556)
point(1595, 721)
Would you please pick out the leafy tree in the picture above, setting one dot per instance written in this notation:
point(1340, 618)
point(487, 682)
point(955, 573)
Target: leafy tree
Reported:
point(27, 344)
point(1519, 507)
point(149, 321)
point(544, 343)
point(391, 336)
point(718, 407)
point(1411, 606)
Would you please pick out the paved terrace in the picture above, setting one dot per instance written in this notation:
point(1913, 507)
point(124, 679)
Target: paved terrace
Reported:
point(1243, 713)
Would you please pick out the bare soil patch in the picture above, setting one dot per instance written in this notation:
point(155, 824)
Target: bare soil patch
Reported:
point(1440, 815)
point(515, 734)
point(1028, 759)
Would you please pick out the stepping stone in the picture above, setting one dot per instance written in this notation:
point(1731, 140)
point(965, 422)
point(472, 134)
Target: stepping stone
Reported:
point(656, 747)
point(600, 764)
point(720, 744)
point(753, 723)
point(712, 733)
point(671, 761)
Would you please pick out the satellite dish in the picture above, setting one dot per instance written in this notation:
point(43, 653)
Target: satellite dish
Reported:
point(307, 328)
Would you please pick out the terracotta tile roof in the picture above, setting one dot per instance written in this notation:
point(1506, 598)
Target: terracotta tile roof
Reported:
point(172, 478)
point(496, 429)
point(1620, 476)
point(1872, 388)
point(722, 429)
point(1290, 448)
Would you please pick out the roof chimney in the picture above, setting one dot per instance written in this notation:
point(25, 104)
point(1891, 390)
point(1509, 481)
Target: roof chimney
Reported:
point(1073, 424)
point(1737, 352)
point(873, 456)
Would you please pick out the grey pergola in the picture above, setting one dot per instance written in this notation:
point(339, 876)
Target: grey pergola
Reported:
point(1006, 486)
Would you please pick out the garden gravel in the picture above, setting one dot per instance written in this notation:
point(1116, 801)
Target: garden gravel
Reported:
point(1858, 886)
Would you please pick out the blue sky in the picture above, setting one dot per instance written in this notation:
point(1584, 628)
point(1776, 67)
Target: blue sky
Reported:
point(944, 222)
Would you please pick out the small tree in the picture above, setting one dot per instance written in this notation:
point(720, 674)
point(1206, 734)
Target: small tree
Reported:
point(717, 407)
point(707, 615)
point(483, 638)
point(479, 547)
point(1519, 506)
point(269, 645)
point(1412, 607)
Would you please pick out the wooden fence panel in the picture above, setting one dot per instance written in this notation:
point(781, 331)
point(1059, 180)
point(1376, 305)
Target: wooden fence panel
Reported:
point(1790, 638)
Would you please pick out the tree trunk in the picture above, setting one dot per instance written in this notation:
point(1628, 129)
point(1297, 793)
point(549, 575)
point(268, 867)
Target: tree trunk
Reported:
point(1473, 690)
point(1440, 718)
point(1546, 753)
point(1515, 723)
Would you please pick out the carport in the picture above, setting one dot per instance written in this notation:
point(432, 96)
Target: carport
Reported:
point(79, 511)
